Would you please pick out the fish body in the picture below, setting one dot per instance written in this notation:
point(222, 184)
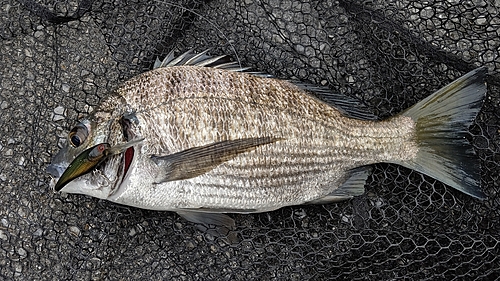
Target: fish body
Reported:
point(197, 139)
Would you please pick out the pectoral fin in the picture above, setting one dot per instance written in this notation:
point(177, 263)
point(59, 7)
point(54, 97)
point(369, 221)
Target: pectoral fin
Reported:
point(196, 161)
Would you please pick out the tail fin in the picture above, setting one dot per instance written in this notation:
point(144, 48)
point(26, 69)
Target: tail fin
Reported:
point(442, 122)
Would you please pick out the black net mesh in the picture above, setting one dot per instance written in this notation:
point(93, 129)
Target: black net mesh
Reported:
point(59, 58)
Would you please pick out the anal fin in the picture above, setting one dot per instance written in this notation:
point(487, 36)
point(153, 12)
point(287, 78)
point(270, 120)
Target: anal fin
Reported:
point(353, 186)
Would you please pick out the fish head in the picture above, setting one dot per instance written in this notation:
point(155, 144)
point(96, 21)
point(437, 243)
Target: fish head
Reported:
point(94, 159)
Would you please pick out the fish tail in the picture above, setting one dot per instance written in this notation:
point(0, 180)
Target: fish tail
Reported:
point(442, 122)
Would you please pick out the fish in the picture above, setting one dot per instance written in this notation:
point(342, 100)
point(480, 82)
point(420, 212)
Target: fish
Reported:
point(202, 136)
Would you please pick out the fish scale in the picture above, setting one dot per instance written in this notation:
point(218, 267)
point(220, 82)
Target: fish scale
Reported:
point(326, 149)
point(245, 117)
point(210, 111)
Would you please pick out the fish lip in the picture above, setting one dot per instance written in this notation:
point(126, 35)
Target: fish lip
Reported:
point(53, 182)
point(55, 170)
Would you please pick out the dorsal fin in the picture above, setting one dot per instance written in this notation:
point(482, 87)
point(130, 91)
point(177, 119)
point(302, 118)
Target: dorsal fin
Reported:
point(204, 60)
point(348, 106)
point(200, 59)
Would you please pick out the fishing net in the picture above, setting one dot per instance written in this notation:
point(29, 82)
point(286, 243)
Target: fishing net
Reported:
point(59, 58)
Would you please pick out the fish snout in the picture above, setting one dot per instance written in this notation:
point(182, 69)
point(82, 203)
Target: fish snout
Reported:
point(55, 170)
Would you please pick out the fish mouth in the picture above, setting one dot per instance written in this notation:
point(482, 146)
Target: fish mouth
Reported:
point(108, 166)
point(86, 162)
point(57, 170)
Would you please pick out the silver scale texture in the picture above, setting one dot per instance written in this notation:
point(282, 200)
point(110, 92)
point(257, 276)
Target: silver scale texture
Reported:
point(187, 106)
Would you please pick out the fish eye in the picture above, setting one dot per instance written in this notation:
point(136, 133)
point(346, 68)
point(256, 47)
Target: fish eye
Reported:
point(78, 135)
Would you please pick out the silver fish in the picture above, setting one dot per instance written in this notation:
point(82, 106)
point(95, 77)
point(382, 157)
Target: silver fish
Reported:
point(203, 138)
